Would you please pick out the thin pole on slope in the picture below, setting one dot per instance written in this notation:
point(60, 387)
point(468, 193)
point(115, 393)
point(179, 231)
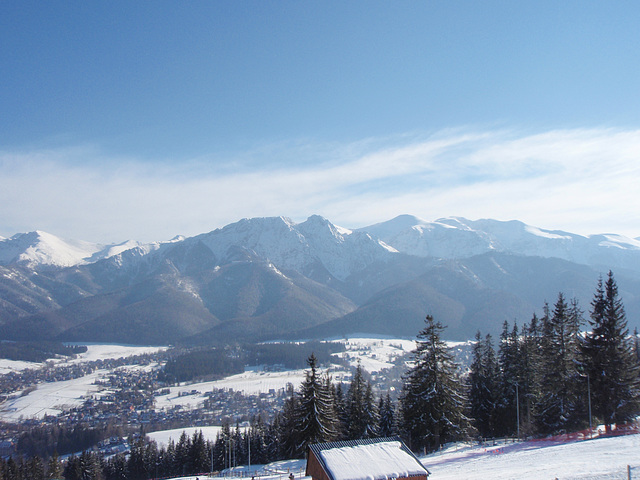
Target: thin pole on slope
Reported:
point(518, 411)
point(589, 402)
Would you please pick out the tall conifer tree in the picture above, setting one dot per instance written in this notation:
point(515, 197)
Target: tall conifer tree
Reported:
point(483, 386)
point(433, 399)
point(316, 417)
point(561, 396)
point(609, 359)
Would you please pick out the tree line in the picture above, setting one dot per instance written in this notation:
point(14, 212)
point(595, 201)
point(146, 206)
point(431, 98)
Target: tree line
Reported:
point(213, 363)
point(551, 377)
point(37, 351)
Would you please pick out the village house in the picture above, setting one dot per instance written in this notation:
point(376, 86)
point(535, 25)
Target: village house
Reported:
point(367, 459)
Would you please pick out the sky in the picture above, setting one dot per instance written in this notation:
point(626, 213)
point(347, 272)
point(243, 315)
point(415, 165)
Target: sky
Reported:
point(145, 120)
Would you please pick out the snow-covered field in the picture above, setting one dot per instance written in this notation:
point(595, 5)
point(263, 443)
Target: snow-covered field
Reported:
point(111, 351)
point(7, 366)
point(49, 398)
point(601, 459)
point(375, 354)
point(250, 382)
point(55, 397)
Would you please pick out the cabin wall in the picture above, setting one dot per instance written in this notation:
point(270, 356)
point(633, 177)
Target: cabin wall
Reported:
point(314, 468)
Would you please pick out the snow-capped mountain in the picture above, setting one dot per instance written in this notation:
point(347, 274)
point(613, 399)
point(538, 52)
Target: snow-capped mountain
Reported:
point(457, 237)
point(307, 247)
point(44, 249)
point(272, 277)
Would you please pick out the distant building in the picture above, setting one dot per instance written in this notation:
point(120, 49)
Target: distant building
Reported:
point(368, 459)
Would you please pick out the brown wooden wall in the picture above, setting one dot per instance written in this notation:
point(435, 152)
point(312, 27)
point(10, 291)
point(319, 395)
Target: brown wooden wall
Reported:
point(314, 468)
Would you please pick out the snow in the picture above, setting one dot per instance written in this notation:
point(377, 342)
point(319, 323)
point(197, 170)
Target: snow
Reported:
point(7, 366)
point(50, 398)
point(53, 398)
point(375, 354)
point(249, 382)
point(111, 351)
point(601, 458)
point(384, 460)
point(545, 233)
point(163, 437)
point(598, 459)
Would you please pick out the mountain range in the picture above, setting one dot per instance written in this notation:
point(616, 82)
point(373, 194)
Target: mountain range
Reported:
point(270, 278)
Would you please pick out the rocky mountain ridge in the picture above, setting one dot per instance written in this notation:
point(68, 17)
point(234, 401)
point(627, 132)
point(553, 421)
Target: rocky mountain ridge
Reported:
point(271, 277)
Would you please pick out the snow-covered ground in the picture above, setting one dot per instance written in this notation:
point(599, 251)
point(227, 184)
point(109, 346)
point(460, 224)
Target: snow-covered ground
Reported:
point(250, 382)
point(52, 398)
point(7, 366)
point(111, 351)
point(375, 354)
point(601, 459)
point(49, 398)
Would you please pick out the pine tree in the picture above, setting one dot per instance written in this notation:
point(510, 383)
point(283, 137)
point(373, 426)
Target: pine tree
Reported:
point(72, 470)
point(372, 415)
point(35, 468)
point(561, 388)
point(432, 397)
point(483, 386)
point(288, 428)
point(316, 416)
point(198, 458)
point(510, 368)
point(609, 360)
point(387, 422)
point(358, 408)
point(529, 385)
point(54, 467)
point(341, 410)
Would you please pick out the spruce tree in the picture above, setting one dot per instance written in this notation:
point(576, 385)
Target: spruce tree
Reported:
point(561, 397)
point(316, 416)
point(386, 423)
point(609, 360)
point(510, 368)
point(361, 411)
point(54, 467)
point(288, 428)
point(432, 397)
point(483, 386)
point(530, 359)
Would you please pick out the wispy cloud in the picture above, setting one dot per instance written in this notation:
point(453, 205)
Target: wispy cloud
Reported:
point(583, 181)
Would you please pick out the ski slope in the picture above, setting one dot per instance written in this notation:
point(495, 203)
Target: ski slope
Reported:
point(600, 458)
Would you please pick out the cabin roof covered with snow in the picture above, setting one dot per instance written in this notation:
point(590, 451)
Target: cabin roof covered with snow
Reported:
point(370, 459)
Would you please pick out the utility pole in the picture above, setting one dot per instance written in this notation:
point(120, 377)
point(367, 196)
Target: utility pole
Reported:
point(589, 402)
point(518, 411)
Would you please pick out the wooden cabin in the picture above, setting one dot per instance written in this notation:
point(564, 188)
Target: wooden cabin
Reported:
point(367, 459)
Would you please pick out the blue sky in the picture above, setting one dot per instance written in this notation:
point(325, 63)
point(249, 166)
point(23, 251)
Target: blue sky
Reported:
point(145, 120)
